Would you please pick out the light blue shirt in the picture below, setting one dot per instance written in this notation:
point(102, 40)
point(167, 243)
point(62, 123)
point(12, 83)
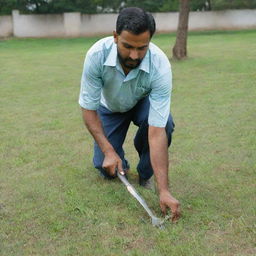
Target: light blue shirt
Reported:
point(104, 82)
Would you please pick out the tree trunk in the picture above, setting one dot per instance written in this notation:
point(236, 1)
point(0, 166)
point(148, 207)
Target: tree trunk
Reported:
point(179, 50)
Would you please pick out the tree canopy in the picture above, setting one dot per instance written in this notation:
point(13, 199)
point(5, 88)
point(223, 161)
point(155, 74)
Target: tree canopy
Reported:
point(103, 6)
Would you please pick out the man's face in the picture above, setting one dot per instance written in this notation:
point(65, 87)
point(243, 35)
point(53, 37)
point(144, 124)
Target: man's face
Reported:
point(131, 48)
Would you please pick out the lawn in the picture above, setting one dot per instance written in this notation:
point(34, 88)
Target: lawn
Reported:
point(52, 202)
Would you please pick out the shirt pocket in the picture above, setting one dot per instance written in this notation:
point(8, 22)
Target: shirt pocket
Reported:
point(142, 92)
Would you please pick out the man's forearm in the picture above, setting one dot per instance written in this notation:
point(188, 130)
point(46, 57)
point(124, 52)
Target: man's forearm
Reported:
point(94, 126)
point(159, 159)
point(159, 156)
point(112, 161)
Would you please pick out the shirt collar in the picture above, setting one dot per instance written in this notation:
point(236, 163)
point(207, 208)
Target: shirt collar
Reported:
point(144, 65)
point(112, 59)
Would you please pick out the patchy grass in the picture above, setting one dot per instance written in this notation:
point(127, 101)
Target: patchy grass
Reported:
point(53, 203)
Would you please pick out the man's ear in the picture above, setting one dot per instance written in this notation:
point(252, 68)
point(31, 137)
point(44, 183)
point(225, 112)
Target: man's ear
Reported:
point(115, 36)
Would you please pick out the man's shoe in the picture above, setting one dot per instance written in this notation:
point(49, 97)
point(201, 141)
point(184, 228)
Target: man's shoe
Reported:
point(148, 184)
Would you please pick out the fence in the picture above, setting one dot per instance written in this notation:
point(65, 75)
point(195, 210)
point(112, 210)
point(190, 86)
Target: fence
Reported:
point(77, 24)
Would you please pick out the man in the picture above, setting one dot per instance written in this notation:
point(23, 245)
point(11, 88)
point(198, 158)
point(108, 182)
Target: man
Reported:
point(128, 79)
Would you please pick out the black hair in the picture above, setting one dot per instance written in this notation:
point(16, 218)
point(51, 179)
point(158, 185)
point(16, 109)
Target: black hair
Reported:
point(136, 21)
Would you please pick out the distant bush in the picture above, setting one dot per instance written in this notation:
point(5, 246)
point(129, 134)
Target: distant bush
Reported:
point(110, 6)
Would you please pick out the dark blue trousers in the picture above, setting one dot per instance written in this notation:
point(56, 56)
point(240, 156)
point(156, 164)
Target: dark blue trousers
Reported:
point(115, 126)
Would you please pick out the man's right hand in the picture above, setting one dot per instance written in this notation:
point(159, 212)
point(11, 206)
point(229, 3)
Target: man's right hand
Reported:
point(112, 163)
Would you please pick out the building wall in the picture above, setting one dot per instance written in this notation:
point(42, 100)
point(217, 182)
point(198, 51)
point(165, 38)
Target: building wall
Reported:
point(229, 19)
point(39, 25)
point(98, 24)
point(77, 24)
point(6, 26)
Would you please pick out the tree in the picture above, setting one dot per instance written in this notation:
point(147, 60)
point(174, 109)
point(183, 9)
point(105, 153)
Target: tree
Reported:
point(101, 6)
point(6, 6)
point(180, 48)
point(200, 5)
point(233, 4)
point(148, 5)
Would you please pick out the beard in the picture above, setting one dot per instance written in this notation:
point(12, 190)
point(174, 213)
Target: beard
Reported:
point(128, 62)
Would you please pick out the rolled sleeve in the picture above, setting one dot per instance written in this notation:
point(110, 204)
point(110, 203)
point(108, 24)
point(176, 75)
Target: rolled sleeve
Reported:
point(160, 100)
point(91, 84)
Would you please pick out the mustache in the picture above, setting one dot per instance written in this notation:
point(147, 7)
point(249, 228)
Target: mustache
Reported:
point(132, 60)
point(129, 62)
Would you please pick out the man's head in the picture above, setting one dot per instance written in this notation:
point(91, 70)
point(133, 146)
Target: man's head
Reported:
point(134, 29)
point(135, 21)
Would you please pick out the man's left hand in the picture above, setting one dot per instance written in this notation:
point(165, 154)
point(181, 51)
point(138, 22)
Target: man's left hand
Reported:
point(166, 201)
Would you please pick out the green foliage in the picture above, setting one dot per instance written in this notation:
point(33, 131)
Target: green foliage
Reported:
point(148, 5)
point(6, 6)
point(232, 4)
point(108, 5)
point(53, 6)
point(198, 5)
point(170, 5)
point(99, 6)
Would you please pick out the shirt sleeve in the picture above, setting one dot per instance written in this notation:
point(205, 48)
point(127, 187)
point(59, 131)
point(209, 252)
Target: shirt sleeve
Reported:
point(160, 99)
point(91, 83)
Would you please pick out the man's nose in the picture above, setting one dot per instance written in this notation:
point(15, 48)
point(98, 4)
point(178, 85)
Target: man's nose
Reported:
point(134, 54)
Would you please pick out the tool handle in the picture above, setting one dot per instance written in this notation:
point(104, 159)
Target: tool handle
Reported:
point(123, 179)
point(132, 191)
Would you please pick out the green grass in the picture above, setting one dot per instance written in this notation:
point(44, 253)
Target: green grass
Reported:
point(53, 203)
